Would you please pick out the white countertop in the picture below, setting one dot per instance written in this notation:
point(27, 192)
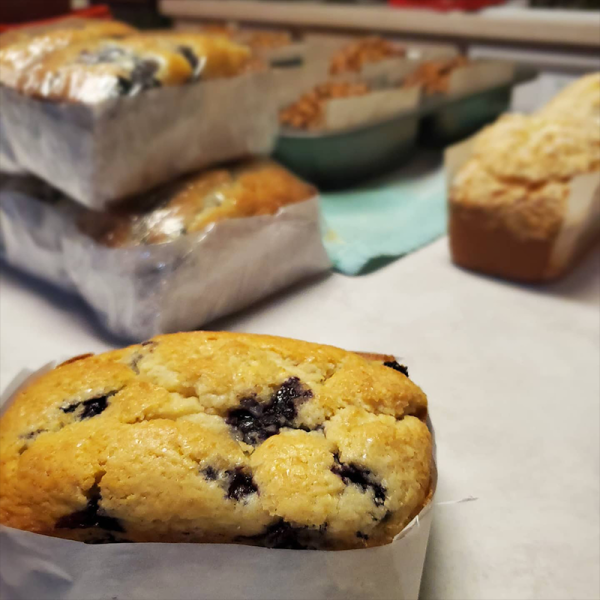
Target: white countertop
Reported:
point(512, 375)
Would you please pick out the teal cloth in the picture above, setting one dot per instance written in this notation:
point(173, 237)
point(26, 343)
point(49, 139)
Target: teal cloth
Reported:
point(370, 225)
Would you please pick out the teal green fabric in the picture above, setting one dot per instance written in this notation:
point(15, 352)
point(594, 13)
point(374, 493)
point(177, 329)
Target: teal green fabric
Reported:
point(386, 218)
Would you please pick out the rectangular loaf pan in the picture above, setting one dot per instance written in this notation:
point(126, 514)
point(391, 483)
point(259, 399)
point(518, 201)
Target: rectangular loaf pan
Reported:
point(338, 159)
point(99, 154)
point(140, 291)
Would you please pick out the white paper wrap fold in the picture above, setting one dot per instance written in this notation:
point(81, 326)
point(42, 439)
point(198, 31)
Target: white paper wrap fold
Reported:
point(99, 154)
point(142, 291)
point(37, 567)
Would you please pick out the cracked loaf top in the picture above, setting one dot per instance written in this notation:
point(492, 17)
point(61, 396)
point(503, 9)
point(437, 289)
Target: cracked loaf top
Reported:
point(218, 437)
point(93, 62)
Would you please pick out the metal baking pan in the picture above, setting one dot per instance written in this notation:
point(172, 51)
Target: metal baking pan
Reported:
point(338, 159)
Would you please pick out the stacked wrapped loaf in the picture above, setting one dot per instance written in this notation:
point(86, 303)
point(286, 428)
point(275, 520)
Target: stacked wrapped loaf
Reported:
point(92, 61)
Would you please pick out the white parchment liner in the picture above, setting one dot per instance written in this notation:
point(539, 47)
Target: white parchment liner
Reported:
point(480, 75)
point(292, 82)
point(37, 567)
point(8, 162)
point(142, 291)
point(99, 154)
point(387, 97)
point(581, 220)
point(341, 113)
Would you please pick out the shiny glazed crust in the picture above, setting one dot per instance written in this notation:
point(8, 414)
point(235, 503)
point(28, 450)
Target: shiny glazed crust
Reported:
point(218, 437)
point(22, 49)
point(194, 202)
point(95, 63)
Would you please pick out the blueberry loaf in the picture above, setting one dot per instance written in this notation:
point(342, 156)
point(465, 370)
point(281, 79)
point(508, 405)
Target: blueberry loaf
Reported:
point(509, 203)
point(194, 202)
point(93, 68)
point(221, 438)
point(21, 49)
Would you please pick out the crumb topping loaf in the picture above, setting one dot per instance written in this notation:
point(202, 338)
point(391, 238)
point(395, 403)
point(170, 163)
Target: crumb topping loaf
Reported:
point(218, 437)
point(534, 212)
point(100, 61)
point(537, 149)
point(521, 166)
point(509, 203)
point(194, 202)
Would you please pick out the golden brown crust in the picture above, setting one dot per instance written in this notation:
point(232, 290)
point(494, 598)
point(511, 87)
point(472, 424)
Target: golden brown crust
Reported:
point(193, 203)
point(57, 34)
point(528, 210)
point(218, 437)
point(223, 57)
point(538, 149)
point(21, 51)
point(478, 245)
point(97, 62)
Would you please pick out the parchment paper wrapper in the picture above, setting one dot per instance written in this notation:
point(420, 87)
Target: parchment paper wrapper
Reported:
point(480, 75)
point(342, 113)
point(581, 221)
point(326, 45)
point(98, 154)
point(141, 291)
point(8, 162)
point(292, 82)
point(388, 98)
point(39, 567)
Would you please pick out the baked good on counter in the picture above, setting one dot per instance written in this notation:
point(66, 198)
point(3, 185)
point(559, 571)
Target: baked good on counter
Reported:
point(509, 201)
point(218, 437)
point(101, 61)
point(193, 202)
